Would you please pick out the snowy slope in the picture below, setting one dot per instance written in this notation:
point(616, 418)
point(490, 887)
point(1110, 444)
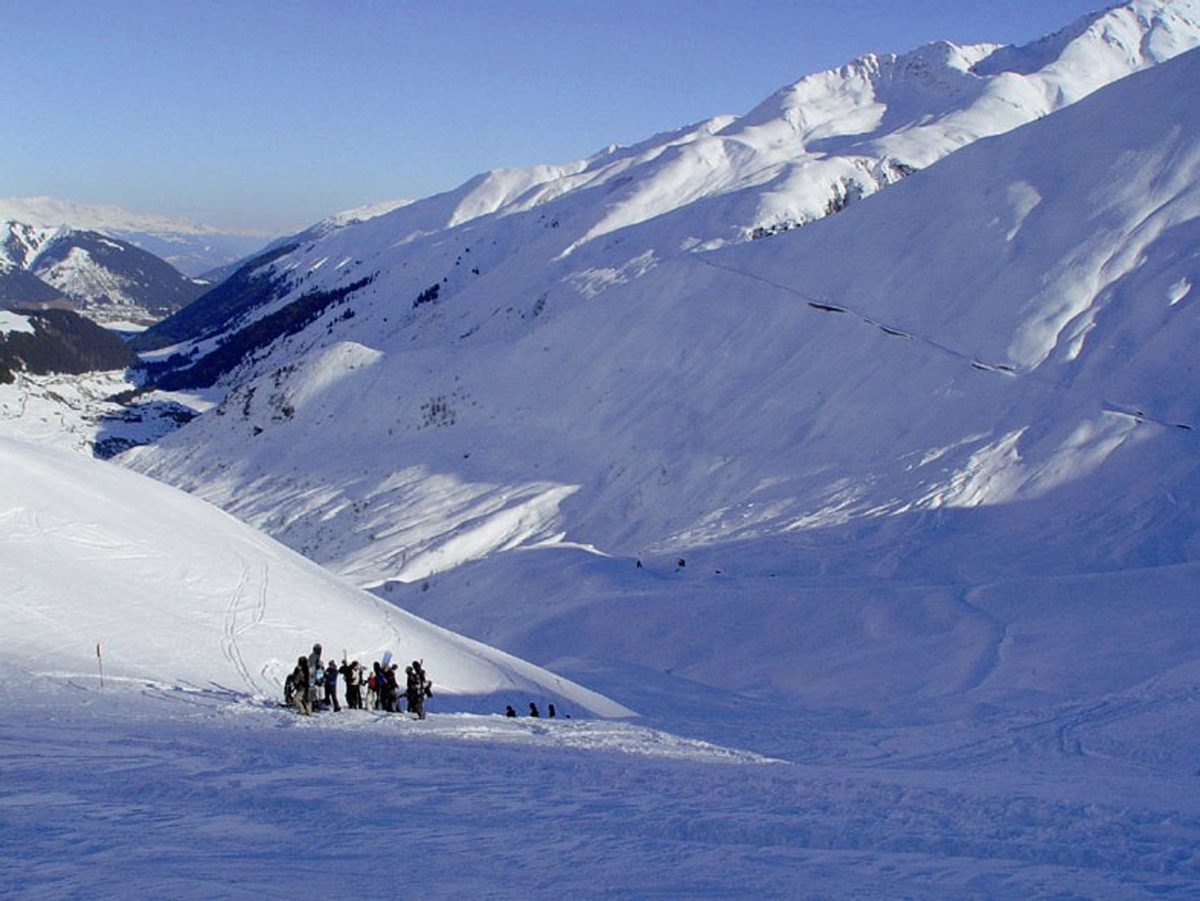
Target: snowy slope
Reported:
point(1031, 749)
point(887, 526)
point(179, 594)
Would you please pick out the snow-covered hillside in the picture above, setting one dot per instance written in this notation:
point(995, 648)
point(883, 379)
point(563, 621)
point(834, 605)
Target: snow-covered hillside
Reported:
point(968, 393)
point(811, 147)
point(941, 743)
point(181, 595)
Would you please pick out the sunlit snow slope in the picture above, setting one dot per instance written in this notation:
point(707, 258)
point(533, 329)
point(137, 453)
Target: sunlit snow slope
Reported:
point(176, 593)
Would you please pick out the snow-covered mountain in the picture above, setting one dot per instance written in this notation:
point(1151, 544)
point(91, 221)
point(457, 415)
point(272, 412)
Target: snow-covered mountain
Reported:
point(818, 144)
point(888, 527)
point(106, 279)
point(192, 248)
point(513, 379)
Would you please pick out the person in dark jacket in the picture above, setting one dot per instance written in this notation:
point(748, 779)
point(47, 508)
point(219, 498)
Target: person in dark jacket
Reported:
point(412, 693)
point(390, 690)
point(331, 698)
point(419, 688)
point(352, 678)
point(300, 686)
point(314, 683)
point(375, 684)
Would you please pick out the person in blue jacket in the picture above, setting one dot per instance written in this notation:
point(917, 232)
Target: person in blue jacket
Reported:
point(331, 674)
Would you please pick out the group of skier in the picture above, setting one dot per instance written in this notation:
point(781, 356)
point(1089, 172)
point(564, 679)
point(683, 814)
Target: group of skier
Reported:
point(312, 686)
point(533, 711)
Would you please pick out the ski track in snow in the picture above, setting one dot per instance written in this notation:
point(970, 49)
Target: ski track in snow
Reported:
point(238, 609)
point(823, 305)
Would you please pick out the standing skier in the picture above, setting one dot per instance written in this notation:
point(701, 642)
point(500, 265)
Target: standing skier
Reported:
point(315, 677)
point(300, 687)
point(419, 688)
point(390, 693)
point(331, 674)
point(352, 677)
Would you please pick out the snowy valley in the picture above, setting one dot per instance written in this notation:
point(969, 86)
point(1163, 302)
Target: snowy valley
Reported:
point(831, 468)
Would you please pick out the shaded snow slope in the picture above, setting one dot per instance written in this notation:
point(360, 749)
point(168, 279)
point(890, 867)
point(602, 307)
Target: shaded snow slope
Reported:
point(177, 593)
point(189, 796)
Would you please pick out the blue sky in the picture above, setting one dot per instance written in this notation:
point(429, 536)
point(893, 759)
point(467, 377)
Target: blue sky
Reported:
point(271, 115)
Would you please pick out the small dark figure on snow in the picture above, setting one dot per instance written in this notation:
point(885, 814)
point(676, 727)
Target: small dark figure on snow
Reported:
point(300, 687)
point(389, 694)
point(353, 679)
point(551, 712)
point(314, 677)
point(508, 711)
point(533, 711)
point(419, 688)
point(331, 674)
point(376, 686)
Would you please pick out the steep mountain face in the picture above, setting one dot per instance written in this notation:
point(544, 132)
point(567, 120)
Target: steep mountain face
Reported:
point(196, 250)
point(983, 368)
point(105, 279)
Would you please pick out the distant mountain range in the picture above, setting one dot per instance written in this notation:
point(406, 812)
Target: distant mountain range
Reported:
point(71, 283)
point(195, 250)
point(109, 280)
point(124, 270)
